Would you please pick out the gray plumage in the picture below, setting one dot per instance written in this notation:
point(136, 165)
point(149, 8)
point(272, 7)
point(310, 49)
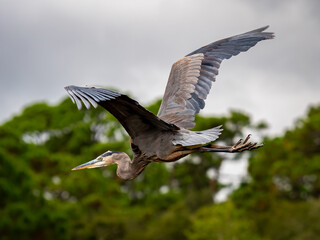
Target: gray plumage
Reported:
point(191, 77)
point(166, 137)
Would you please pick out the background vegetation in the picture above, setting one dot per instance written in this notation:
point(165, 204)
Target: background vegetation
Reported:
point(40, 198)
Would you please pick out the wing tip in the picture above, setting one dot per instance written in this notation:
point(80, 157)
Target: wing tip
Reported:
point(90, 95)
point(78, 98)
point(261, 30)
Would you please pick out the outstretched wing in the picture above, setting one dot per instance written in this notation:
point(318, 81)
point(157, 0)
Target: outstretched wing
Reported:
point(133, 117)
point(191, 77)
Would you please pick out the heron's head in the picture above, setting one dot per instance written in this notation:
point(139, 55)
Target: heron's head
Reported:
point(103, 160)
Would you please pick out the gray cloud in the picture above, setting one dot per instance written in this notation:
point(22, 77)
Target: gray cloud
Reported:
point(130, 45)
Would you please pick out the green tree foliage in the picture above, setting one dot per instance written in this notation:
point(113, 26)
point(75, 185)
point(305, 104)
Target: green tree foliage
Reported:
point(283, 193)
point(40, 198)
point(221, 221)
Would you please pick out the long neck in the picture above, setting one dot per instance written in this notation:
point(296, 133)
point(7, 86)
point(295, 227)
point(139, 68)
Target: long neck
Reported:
point(128, 169)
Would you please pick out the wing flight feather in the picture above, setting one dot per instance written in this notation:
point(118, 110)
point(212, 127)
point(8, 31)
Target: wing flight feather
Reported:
point(132, 116)
point(191, 77)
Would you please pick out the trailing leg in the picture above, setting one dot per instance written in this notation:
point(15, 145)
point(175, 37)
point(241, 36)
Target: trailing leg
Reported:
point(238, 147)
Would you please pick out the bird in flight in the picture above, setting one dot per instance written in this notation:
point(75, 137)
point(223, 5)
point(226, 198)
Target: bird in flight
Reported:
point(166, 137)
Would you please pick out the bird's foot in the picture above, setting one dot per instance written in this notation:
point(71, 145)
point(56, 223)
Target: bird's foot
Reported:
point(245, 145)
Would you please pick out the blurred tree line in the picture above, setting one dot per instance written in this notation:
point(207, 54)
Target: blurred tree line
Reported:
point(40, 198)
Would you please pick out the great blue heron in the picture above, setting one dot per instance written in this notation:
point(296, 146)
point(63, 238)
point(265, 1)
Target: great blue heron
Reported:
point(166, 137)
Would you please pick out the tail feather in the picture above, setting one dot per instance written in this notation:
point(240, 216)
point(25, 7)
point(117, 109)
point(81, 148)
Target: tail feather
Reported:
point(196, 138)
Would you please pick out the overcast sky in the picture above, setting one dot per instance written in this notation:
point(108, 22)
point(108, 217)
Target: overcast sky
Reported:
point(131, 45)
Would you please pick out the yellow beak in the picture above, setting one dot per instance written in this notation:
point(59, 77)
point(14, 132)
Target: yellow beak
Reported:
point(91, 164)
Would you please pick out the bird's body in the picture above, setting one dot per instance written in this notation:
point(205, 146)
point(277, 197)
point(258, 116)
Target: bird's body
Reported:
point(166, 137)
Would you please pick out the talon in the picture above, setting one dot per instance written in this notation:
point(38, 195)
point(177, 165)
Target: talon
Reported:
point(243, 146)
point(247, 138)
point(253, 145)
point(247, 146)
point(258, 146)
point(236, 145)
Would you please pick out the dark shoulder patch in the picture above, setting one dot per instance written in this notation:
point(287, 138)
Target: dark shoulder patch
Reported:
point(135, 148)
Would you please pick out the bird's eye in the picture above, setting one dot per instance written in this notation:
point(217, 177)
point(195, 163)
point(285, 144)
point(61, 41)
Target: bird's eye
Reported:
point(100, 158)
